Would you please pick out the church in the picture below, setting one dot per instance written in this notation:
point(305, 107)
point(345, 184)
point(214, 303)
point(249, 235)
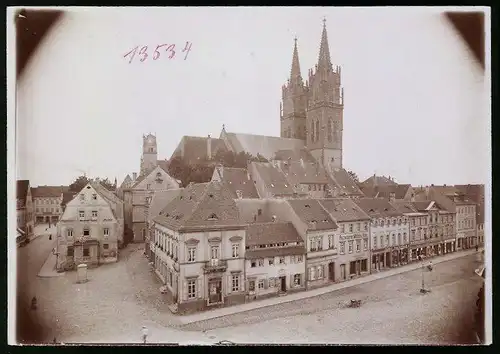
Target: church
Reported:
point(311, 116)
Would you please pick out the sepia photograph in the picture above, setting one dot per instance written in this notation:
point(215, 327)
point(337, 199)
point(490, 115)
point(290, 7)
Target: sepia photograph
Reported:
point(231, 176)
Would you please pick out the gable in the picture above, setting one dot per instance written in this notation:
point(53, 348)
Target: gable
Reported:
point(157, 178)
point(91, 200)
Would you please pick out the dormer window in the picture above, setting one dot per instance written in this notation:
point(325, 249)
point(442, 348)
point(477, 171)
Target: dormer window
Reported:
point(158, 174)
point(213, 217)
point(94, 196)
point(307, 206)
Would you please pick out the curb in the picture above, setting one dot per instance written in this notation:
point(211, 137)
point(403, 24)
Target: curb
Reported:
point(52, 273)
point(185, 320)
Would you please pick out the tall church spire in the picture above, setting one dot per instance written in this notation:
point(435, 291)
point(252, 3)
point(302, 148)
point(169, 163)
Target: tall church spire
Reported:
point(324, 61)
point(295, 72)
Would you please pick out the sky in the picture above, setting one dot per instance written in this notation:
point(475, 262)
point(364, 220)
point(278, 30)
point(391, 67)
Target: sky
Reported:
point(416, 103)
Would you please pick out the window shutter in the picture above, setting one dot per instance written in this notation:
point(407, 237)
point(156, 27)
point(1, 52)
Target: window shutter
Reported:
point(292, 282)
point(229, 284)
point(247, 285)
point(198, 288)
point(265, 283)
point(302, 276)
point(184, 290)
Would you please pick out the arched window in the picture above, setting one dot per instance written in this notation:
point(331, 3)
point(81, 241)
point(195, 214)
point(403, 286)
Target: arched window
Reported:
point(312, 131)
point(317, 131)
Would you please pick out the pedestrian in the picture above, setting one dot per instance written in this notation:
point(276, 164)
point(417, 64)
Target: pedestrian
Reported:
point(54, 341)
point(477, 248)
point(144, 334)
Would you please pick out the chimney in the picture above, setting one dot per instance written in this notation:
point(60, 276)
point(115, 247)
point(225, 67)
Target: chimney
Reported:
point(134, 176)
point(374, 180)
point(209, 147)
point(302, 162)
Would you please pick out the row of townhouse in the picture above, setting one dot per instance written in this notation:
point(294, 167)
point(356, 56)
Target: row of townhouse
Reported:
point(90, 229)
point(211, 247)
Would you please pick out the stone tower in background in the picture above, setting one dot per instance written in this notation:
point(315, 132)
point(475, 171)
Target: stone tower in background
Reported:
point(149, 153)
point(294, 102)
point(314, 111)
point(325, 109)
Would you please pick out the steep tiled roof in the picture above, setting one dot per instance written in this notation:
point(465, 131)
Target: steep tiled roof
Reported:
point(274, 252)
point(271, 232)
point(343, 209)
point(377, 207)
point(237, 179)
point(249, 209)
point(160, 200)
point(273, 179)
point(298, 172)
point(377, 181)
point(312, 213)
point(67, 197)
point(202, 205)
point(195, 148)
point(266, 146)
point(22, 189)
point(421, 205)
point(163, 165)
point(343, 184)
point(294, 155)
point(385, 191)
point(404, 207)
point(48, 191)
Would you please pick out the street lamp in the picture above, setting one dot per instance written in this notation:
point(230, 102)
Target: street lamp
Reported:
point(423, 290)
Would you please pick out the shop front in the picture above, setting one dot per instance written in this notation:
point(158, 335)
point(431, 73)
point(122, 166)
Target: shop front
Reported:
point(399, 256)
point(380, 260)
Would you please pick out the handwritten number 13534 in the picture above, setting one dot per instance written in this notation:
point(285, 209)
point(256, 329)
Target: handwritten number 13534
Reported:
point(161, 48)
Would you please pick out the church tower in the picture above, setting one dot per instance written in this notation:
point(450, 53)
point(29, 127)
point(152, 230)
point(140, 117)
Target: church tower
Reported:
point(149, 153)
point(294, 102)
point(325, 109)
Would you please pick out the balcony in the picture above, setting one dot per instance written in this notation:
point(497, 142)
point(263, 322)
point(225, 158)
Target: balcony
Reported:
point(215, 266)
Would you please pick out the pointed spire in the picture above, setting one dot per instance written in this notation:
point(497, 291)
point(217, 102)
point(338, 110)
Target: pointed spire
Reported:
point(295, 76)
point(324, 61)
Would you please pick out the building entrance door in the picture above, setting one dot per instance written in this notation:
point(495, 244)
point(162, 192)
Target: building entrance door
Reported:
point(215, 289)
point(342, 272)
point(331, 271)
point(283, 283)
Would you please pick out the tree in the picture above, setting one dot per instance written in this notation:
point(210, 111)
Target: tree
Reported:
point(354, 176)
point(202, 172)
point(82, 181)
point(79, 183)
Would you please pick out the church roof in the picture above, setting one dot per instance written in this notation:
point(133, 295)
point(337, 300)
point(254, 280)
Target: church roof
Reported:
point(266, 146)
point(194, 149)
point(298, 172)
point(294, 155)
